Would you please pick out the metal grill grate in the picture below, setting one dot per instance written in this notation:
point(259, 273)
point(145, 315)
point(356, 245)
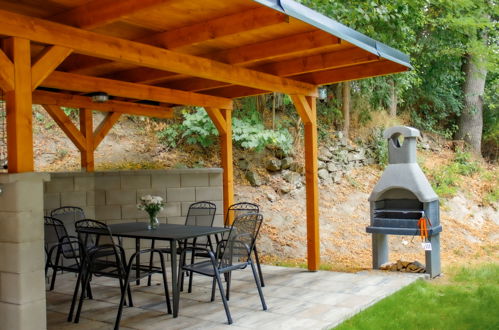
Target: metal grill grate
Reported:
point(3, 133)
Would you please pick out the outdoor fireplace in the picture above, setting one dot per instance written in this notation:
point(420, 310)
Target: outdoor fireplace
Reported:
point(401, 198)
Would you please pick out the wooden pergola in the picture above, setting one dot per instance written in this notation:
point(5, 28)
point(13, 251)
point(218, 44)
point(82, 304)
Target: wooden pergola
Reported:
point(150, 55)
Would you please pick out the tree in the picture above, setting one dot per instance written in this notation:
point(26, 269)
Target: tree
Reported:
point(345, 108)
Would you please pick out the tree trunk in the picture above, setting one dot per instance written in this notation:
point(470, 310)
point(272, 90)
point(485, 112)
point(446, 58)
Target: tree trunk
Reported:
point(393, 98)
point(471, 121)
point(345, 107)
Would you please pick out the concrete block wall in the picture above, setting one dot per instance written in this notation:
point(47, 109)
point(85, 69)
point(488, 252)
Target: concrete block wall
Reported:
point(22, 285)
point(112, 196)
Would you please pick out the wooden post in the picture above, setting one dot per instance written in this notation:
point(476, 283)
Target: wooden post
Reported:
point(227, 165)
point(86, 129)
point(19, 113)
point(306, 107)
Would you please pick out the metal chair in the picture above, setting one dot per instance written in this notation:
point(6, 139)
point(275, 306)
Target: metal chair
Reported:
point(232, 254)
point(102, 257)
point(69, 215)
point(234, 211)
point(199, 214)
point(66, 246)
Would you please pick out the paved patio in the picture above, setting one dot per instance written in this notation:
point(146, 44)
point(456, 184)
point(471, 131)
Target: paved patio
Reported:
point(296, 299)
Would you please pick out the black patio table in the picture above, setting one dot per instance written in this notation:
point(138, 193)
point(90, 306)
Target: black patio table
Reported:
point(166, 232)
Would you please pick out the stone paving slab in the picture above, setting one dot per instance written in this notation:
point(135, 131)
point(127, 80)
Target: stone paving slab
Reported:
point(296, 299)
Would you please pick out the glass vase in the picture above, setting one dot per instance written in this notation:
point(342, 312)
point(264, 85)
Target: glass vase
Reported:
point(153, 222)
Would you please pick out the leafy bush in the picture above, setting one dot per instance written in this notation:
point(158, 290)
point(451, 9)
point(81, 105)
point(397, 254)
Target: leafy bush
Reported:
point(247, 133)
point(380, 147)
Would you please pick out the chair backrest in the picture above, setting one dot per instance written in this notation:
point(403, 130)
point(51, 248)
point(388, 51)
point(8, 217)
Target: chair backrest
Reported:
point(69, 215)
point(241, 239)
point(201, 214)
point(94, 234)
point(235, 210)
point(55, 232)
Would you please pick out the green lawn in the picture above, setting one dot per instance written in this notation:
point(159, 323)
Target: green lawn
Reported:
point(469, 300)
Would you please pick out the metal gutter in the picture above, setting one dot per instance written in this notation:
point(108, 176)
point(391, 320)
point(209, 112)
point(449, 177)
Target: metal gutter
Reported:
point(305, 14)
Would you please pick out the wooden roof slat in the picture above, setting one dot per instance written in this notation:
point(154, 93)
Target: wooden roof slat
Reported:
point(216, 28)
point(245, 55)
point(288, 68)
point(101, 12)
point(144, 55)
point(86, 84)
point(77, 101)
point(360, 71)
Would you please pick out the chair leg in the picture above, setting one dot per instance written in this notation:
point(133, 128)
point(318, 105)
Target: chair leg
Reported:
point(54, 267)
point(75, 293)
point(257, 281)
point(191, 273)
point(151, 259)
point(257, 260)
point(224, 300)
point(213, 284)
point(125, 288)
point(89, 290)
point(165, 284)
point(228, 284)
point(86, 280)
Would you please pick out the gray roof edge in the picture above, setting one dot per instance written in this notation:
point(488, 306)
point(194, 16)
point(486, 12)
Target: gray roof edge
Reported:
point(329, 25)
point(405, 131)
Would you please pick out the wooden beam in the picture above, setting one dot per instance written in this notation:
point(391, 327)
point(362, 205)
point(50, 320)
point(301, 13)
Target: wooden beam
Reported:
point(286, 68)
point(86, 129)
point(217, 27)
point(360, 71)
point(6, 73)
point(247, 54)
point(77, 101)
point(104, 127)
point(303, 108)
point(135, 53)
point(86, 84)
point(67, 126)
point(19, 113)
point(46, 63)
point(306, 107)
point(102, 12)
point(217, 119)
point(227, 161)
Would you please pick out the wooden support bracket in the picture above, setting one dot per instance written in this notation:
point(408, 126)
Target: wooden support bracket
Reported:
point(104, 127)
point(47, 63)
point(65, 123)
point(6, 73)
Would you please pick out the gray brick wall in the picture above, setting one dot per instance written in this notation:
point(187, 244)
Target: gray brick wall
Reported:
point(112, 196)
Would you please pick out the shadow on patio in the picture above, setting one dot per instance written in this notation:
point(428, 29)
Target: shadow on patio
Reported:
point(296, 299)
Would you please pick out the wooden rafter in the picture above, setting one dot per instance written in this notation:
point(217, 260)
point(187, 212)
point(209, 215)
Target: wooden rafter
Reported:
point(216, 28)
point(217, 119)
point(6, 73)
point(65, 123)
point(77, 101)
point(86, 84)
point(360, 71)
point(245, 55)
point(46, 63)
point(101, 12)
point(130, 52)
point(287, 68)
point(104, 127)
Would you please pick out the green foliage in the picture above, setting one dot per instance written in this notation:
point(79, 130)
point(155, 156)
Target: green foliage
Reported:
point(248, 133)
point(447, 179)
point(198, 128)
point(469, 301)
point(71, 112)
point(254, 136)
point(380, 147)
